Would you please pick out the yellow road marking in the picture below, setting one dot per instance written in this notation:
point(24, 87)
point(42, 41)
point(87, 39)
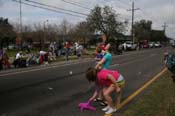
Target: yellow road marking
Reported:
point(140, 89)
point(108, 115)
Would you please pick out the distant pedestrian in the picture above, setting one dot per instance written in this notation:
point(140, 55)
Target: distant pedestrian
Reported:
point(55, 49)
point(124, 46)
point(52, 51)
point(67, 47)
point(79, 51)
point(76, 45)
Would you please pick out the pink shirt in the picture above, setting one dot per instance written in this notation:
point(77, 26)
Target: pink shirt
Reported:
point(102, 76)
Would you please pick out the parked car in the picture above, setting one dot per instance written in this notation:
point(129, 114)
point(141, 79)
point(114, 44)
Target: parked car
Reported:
point(134, 46)
point(173, 45)
point(157, 45)
point(130, 45)
point(144, 44)
point(12, 46)
point(151, 44)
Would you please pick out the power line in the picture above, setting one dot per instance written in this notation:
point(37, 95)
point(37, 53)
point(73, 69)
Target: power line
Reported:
point(56, 7)
point(80, 4)
point(72, 3)
point(49, 9)
point(123, 2)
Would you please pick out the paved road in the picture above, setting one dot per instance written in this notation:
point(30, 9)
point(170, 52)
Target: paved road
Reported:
point(52, 91)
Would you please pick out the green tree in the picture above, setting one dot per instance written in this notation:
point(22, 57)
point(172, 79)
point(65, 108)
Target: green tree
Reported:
point(7, 35)
point(158, 35)
point(142, 30)
point(104, 20)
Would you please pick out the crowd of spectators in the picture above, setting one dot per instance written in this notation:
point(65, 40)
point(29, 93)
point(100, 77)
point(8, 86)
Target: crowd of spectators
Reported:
point(29, 58)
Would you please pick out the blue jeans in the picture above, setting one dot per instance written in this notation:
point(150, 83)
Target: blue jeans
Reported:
point(67, 54)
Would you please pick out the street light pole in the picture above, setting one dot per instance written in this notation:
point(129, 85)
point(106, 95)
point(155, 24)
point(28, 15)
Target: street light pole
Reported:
point(44, 33)
point(20, 34)
point(132, 31)
point(20, 17)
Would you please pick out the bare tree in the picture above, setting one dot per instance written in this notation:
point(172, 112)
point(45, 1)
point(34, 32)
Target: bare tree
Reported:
point(82, 32)
point(39, 32)
point(65, 28)
point(16, 27)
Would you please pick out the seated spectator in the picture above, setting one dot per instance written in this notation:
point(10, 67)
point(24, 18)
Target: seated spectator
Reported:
point(46, 58)
point(79, 51)
point(34, 59)
point(18, 60)
point(75, 47)
point(43, 57)
point(29, 59)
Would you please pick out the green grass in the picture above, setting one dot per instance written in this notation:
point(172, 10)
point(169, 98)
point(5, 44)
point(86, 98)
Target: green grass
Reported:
point(158, 100)
point(12, 53)
point(62, 58)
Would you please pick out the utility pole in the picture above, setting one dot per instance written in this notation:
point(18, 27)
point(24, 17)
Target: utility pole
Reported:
point(164, 27)
point(132, 30)
point(20, 18)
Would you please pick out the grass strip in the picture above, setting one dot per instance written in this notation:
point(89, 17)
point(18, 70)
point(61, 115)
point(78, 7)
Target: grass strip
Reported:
point(158, 100)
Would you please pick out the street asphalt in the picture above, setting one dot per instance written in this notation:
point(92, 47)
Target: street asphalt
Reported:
point(57, 89)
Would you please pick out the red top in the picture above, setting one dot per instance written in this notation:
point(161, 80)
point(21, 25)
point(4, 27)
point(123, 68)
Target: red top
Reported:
point(67, 45)
point(102, 76)
point(102, 47)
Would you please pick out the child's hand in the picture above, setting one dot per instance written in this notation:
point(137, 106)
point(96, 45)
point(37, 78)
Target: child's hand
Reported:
point(118, 89)
point(99, 68)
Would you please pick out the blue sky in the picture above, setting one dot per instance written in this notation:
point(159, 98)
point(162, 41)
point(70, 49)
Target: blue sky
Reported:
point(158, 11)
